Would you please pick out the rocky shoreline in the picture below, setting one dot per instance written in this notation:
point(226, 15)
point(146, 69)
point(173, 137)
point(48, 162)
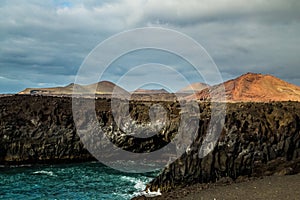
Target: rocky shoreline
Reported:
point(253, 188)
point(258, 139)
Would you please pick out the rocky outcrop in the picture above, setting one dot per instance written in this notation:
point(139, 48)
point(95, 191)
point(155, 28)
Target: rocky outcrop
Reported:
point(258, 139)
point(41, 129)
point(37, 129)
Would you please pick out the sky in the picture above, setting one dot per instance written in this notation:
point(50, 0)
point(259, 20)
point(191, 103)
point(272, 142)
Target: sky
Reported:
point(45, 43)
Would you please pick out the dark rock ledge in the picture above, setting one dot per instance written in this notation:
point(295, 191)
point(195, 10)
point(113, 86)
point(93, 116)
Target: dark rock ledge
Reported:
point(258, 139)
point(41, 129)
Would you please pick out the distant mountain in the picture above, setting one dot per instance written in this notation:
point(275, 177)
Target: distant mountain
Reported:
point(249, 87)
point(106, 87)
point(252, 87)
point(103, 87)
point(194, 87)
point(146, 91)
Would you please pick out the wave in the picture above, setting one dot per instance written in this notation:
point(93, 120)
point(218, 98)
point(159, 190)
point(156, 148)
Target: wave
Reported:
point(42, 172)
point(139, 185)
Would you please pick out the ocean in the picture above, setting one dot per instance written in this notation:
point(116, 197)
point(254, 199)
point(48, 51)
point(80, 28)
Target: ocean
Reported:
point(91, 180)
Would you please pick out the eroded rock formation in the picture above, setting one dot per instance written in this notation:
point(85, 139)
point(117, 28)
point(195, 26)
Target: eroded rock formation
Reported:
point(41, 129)
point(257, 138)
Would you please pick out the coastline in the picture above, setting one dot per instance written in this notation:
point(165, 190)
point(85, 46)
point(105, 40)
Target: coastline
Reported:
point(263, 188)
point(258, 139)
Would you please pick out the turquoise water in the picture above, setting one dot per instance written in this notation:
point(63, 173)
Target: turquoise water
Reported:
point(71, 181)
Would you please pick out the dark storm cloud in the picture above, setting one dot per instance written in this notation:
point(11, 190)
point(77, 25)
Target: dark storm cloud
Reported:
point(43, 43)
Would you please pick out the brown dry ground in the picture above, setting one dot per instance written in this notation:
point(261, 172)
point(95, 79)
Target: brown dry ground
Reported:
point(267, 188)
point(251, 87)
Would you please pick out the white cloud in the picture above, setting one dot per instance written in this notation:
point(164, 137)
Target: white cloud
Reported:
point(51, 38)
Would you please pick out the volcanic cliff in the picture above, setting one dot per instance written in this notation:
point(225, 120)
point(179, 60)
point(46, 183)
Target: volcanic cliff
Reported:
point(255, 138)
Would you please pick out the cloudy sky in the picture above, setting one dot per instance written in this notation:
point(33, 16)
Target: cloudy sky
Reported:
point(44, 43)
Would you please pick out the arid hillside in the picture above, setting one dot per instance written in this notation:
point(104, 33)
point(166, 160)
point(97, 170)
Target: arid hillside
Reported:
point(103, 87)
point(145, 91)
point(194, 87)
point(251, 87)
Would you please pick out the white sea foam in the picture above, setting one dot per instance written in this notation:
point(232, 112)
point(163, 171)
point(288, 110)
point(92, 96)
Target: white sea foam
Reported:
point(49, 173)
point(148, 193)
point(140, 185)
point(127, 178)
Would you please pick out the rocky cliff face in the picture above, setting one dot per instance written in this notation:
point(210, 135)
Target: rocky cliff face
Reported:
point(258, 139)
point(41, 129)
point(37, 129)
